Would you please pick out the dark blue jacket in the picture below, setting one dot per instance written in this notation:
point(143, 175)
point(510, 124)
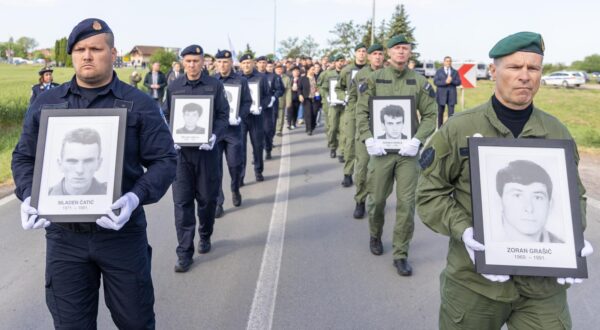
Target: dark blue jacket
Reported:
point(263, 86)
point(235, 78)
point(149, 157)
point(37, 89)
point(161, 80)
point(446, 93)
point(206, 85)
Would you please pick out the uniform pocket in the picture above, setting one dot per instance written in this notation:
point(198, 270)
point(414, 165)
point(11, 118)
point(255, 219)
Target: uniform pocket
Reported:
point(51, 299)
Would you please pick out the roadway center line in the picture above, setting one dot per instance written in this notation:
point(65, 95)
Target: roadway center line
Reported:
point(263, 304)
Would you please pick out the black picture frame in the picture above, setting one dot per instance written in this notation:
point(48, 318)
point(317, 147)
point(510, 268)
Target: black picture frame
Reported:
point(376, 105)
point(201, 133)
point(233, 93)
point(57, 129)
point(254, 87)
point(333, 98)
point(492, 161)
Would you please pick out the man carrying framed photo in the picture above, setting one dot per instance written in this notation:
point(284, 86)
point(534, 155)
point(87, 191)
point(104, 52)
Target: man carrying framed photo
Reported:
point(479, 301)
point(197, 166)
point(400, 166)
point(114, 248)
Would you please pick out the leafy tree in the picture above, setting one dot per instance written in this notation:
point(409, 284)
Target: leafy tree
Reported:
point(381, 32)
point(346, 37)
point(27, 44)
point(367, 28)
point(400, 24)
point(309, 47)
point(248, 51)
point(589, 64)
point(60, 53)
point(551, 67)
point(165, 58)
point(290, 47)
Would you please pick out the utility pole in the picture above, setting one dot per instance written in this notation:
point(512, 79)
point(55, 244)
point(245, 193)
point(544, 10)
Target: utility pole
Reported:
point(373, 25)
point(274, 25)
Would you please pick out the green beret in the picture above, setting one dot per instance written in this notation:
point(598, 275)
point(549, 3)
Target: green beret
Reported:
point(374, 48)
point(331, 58)
point(519, 42)
point(339, 57)
point(359, 46)
point(399, 39)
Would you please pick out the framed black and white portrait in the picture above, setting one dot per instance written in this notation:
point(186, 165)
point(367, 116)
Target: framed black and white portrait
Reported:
point(191, 119)
point(79, 163)
point(333, 97)
point(526, 207)
point(255, 93)
point(232, 93)
point(392, 120)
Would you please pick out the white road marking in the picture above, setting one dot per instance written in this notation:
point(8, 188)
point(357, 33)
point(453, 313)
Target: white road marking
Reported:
point(263, 304)
point(7, 199)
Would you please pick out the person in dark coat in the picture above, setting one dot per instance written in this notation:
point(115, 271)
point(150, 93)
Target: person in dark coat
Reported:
point(156, 82)
point(45, 83)
point(446, 79)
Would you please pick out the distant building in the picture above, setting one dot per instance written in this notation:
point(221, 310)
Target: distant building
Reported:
point(140, 55)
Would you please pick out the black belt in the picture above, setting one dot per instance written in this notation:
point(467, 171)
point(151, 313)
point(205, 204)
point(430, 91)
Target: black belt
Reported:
point(79, 227)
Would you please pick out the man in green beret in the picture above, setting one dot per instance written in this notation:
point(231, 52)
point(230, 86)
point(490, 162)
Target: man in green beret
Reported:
point(399, 166)
point(348, 121)
point(336, 109)
point(376, 58)
point(324, 90)
point(470, 300)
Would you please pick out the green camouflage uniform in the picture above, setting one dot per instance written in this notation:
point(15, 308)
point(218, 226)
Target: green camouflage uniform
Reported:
point(285, 101)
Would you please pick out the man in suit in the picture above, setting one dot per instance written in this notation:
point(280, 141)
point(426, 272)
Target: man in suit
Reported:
point(446, 79)
point(156, 82)
point(392, 118)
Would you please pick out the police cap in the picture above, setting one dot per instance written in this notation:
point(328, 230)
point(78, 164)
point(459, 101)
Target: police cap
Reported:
point(374, 48)
point(223, 54)
point(246, 57)
point(261, 58)
point(398, 39)
point(519, 42)
point(192, 50)
point(44, 70)
point(89, 27)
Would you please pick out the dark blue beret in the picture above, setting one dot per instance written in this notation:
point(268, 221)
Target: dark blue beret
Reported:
point(223, 54)
point(192, 50)
point(87, 28)
point(261, 58)
point(246, 57)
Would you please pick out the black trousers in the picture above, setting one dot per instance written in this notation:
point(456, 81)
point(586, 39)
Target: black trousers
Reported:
point(310, 114)
point(292, 114)
point(441, 109)
point(75, 263)
point(253, 126)
point(269, 127)
point(231, 146)
point(196, 186)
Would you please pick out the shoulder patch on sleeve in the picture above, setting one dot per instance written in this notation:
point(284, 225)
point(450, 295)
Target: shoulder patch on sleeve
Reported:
point(362, 87)
point(429, 89)
point(427, 157)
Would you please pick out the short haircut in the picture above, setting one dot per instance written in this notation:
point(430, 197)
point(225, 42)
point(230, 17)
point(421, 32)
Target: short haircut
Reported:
point(523, 172)
point(82, 136)
point(447, 57)
point(193, 107)
point(110, 39)
point(391, 110)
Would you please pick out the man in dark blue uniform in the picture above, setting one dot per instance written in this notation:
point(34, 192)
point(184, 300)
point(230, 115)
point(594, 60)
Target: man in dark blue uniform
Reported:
point(45, 83)
point(231, 143)
point(197, 167)
point(254, 124)
point(79, 254)
point(276, 90)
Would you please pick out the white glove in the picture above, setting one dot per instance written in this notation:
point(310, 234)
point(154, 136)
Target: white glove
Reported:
point(586, 251)
point(410, 148)
point(272, 101)
point(346, 99)
point(28, 216)
point(235, 121)
point(374, 148)
point(127, 203)
point(210, 144)
point(176, 146)
point(471, 245)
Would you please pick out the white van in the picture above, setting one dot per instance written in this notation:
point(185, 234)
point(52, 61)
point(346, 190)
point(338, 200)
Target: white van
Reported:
point(482, 71)
point(429, 68)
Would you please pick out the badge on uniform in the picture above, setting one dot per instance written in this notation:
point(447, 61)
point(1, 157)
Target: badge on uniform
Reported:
point(429, 89)
point(427, 158)
point(362, 87)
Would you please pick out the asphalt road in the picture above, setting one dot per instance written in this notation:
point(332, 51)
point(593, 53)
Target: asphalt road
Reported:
point(323, 278)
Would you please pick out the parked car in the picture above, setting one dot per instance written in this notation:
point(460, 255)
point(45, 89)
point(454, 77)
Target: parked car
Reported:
point(429, 69)
point(482, 71)
point(564, 78)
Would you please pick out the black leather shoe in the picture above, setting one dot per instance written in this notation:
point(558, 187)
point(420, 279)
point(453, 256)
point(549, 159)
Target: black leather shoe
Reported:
point(341, 159)
point(204, 246)
point(404, 269)
point(236, 198)
point(310, 132)
point(332, 154)
point(359, 211)
point(241, 182)
point(268, 155)
point(183, 265)
point(376, 246)
point(219, 212)
point(260, 177)
point(347, 182)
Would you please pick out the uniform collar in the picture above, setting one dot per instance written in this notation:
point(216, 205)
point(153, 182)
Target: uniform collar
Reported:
point(193, 83)
point(534, 127)
point(112, 86)
point(398, 73)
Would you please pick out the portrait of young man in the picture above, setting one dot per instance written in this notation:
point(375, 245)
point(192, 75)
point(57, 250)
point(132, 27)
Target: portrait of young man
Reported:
point(191, 114)
point(392, 119)
point(80, 158)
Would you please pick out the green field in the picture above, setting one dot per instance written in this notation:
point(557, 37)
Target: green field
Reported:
point(578, 108)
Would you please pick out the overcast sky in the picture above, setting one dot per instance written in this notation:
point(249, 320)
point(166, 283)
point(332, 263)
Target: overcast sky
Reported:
point(463, 29)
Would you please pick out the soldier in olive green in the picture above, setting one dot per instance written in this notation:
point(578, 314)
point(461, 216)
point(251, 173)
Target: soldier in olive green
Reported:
point(323, 86)
point(348, 125)
point(401, 167)
point(285, 101)
point(335, 110)
point(480, 301)
point(375, 56)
